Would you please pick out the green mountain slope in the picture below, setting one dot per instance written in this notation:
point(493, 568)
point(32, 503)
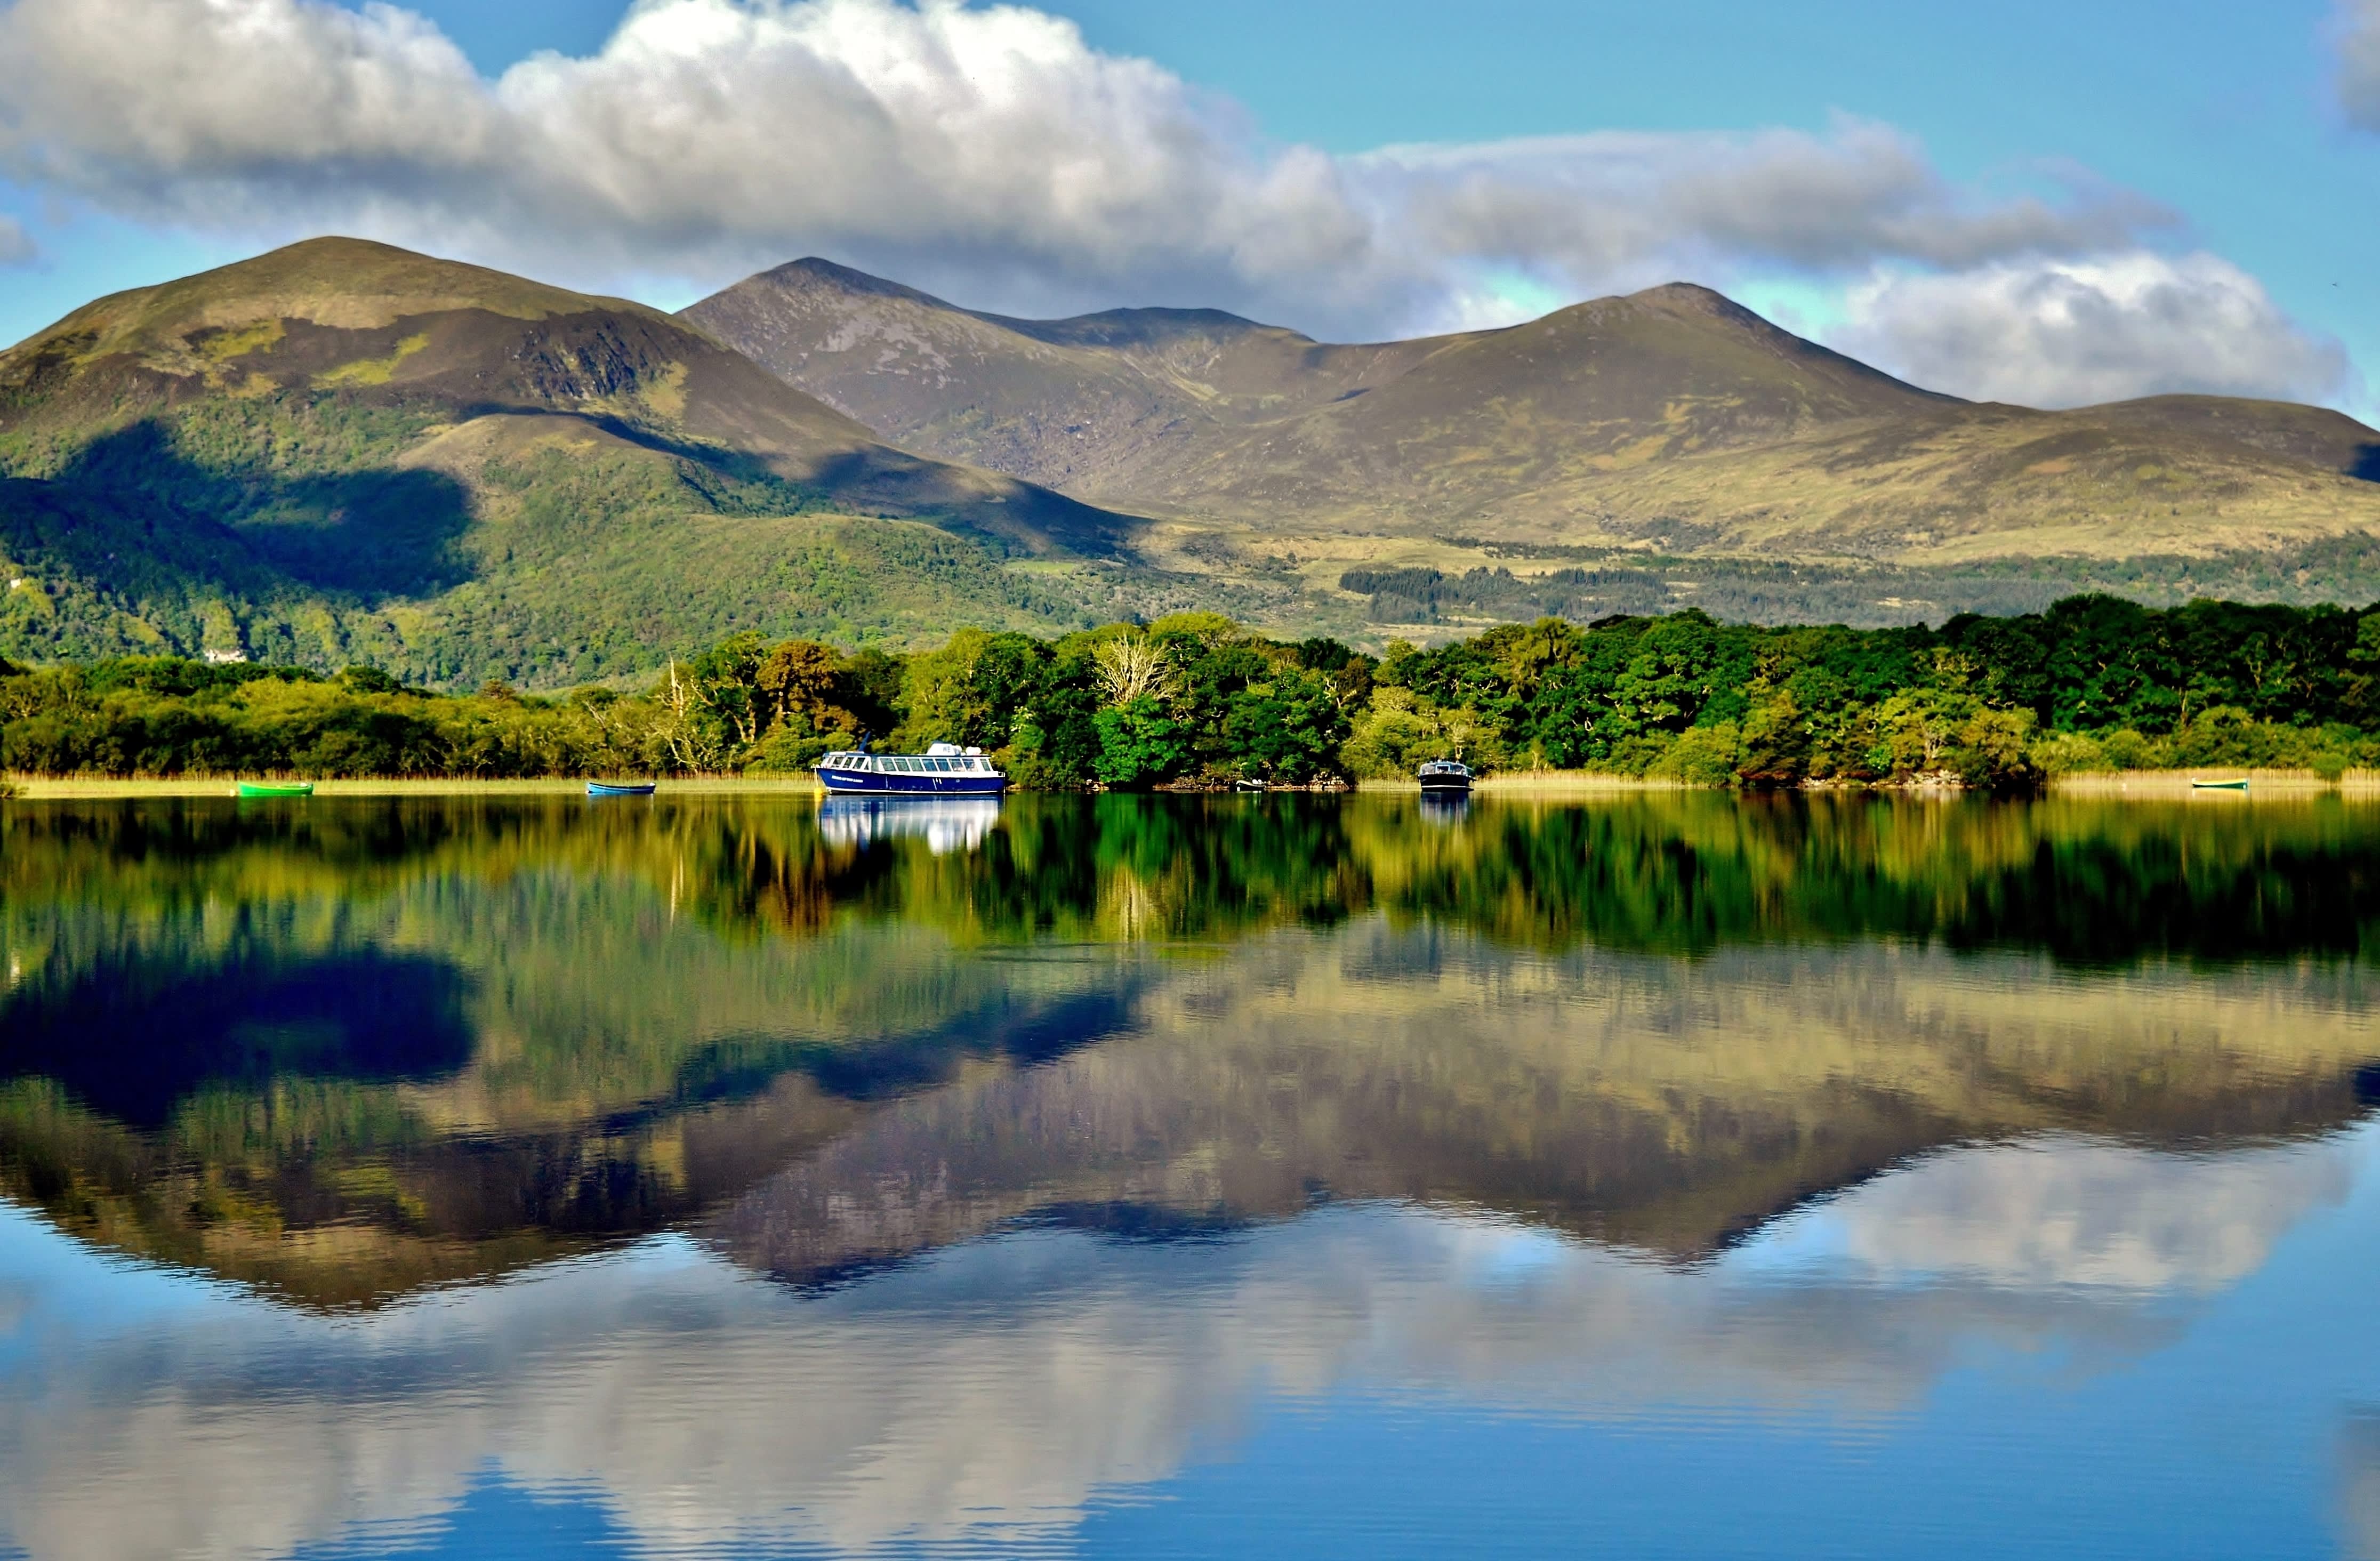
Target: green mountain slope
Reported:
point(346, 452)
point(1671, 420)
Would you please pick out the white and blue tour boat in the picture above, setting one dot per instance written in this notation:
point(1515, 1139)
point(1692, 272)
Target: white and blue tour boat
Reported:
point(1445, 778)
point(945, 769)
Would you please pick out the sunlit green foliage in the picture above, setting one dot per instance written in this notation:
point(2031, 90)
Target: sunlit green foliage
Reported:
point(296, 526)
point(1194, 700)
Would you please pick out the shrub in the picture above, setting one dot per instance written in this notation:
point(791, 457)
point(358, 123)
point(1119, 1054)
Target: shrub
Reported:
point(2070, 752)
point(1702, 755)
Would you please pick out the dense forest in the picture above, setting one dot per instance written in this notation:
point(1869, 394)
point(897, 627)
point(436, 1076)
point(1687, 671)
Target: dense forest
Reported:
point(1194, 700)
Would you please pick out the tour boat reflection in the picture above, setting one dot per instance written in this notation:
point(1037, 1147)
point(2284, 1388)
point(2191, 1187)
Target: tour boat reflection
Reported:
point(947, 824)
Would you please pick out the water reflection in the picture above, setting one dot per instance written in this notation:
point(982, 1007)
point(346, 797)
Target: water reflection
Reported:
point(945, 824)
point(1000, 1389)
point(929, 1181)
point(1441, 807)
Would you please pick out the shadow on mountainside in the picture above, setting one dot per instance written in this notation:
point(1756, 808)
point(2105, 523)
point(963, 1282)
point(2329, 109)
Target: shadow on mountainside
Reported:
point(368, 533)
point(2367, 464)
point(1026, 1033)
point(135, 1043)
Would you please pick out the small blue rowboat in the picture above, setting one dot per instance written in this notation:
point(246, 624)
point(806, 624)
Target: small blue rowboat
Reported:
point(943, 770)
point(619, 788)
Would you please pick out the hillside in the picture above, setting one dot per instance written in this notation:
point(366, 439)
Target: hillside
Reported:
point(1671, 422)
point(345, 452)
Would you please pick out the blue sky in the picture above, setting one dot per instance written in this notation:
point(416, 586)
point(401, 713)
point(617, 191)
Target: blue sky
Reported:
point(2190, 197)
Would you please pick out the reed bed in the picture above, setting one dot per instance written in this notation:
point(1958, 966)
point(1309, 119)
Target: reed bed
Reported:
point(38, 788)
point(2174, 782)
point(1550, 781)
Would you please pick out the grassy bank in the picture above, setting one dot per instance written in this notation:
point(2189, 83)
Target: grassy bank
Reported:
point(2121, 782)
point(1543, 782)
point(2173, 783)
point(37, 788)
point(1513, 783)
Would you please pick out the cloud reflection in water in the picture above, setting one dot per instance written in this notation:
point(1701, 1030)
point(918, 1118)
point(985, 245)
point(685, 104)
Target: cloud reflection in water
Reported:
point(998, 1387)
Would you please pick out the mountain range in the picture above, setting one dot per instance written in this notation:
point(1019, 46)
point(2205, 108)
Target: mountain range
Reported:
point(1671, 421)
point(344, 452)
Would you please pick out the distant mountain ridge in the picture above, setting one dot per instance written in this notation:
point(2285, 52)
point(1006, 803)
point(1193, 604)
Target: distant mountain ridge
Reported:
point(1672, 417)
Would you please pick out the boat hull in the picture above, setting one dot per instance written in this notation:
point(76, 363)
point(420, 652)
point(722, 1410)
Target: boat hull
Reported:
point(605, 788)
point(1446, 785)
point(868, 783)
point(254, 789)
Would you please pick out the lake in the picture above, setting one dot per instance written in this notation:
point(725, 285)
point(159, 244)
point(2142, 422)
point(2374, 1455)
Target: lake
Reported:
point(1670, 1174)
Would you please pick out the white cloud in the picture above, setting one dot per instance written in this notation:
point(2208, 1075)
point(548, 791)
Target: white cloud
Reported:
point(2066, 333)
point(990, 154)
point(2358, 63)
point(988, 151)
point(16, 245)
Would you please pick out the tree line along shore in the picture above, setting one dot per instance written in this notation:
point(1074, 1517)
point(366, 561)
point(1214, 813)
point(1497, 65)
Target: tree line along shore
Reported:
point(2095, 683)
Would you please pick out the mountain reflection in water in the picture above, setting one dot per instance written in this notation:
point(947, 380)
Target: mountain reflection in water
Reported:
point(940, 1184)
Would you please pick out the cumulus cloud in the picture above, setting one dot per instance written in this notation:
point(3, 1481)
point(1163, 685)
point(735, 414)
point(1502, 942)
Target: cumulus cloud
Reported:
point(2066, 333)
point(992, 148)
point(2358, 63)
point(989, 154)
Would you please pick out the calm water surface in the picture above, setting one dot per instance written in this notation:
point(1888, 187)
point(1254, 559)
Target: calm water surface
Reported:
point(1665, 1175)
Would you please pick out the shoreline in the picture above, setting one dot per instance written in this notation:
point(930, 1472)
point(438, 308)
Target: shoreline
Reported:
point(2118, 782)
point(78, 788)
point(1514, 783)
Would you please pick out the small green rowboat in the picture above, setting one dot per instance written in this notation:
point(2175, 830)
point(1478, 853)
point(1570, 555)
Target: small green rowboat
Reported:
point(277, 788)
point(2240, 785)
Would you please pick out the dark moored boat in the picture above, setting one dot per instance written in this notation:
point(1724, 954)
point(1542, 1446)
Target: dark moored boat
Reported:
point(1445, 778)
point(619, 788)
point(943, 770)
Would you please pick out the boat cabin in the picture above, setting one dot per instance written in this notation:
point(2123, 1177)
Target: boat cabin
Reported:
point(1445, 775)
point(943, 759)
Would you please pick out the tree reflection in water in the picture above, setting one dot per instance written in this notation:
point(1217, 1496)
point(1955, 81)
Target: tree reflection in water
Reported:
point(931, 1176)
point(349, 1049)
